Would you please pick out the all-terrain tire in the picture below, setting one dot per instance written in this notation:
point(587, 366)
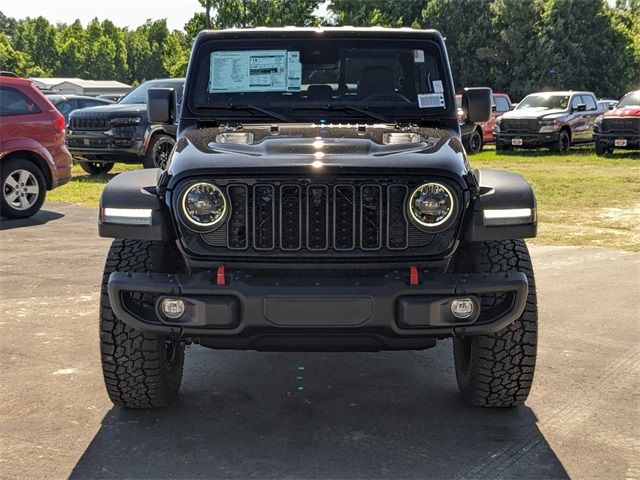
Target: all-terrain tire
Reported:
point(141, 370)
point(497, 370)
point(96, 168)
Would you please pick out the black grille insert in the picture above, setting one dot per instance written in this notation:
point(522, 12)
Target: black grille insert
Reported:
point(348, 218)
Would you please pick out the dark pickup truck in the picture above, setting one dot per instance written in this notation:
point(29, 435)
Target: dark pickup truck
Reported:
point(97, 137)
point(556, 120)
point(318, 198)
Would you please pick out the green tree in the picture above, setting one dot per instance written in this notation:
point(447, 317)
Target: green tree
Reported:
point(389, 13)
point(11, 59)
point(36, 37)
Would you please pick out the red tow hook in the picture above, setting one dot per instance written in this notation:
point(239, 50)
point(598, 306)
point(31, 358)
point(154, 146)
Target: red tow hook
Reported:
point(220, 279)
point(414, 278)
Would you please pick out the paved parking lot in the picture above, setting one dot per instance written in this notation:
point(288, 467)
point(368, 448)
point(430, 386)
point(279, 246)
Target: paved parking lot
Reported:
point(364, 415)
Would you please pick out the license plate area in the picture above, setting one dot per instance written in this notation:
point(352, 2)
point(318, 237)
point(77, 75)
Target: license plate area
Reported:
point(318, 311)
point(516, 142)
point(620, 142)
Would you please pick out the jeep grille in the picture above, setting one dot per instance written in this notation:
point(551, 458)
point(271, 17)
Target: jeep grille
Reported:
point(305, 218)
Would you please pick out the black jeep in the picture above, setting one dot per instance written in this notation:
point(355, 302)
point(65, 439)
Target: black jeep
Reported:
point(99, 136)
point(318, 198)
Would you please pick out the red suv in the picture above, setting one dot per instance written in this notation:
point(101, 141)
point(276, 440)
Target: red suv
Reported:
point(33, 156)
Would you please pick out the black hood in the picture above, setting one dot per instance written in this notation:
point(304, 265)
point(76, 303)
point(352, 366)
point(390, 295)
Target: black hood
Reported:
point(116, 108)
point(318, 150)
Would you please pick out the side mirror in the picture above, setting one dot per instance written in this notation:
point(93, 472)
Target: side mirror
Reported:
point(582, 107)
point(161, 105)
point(476, 102)
point(494, 108)
point(612, 107)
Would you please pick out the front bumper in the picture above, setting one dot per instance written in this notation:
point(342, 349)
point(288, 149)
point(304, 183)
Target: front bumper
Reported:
point(608, 140)
point(275, 313)
point(529, 140)
point(122, 142)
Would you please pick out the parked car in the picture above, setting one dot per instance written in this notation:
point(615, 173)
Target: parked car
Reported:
point(556, 120)
point(475, 136)
point(121, 132)
point(33, 156)
point(620, 127)
point(501, 104)
point(318, 198)
point(70, 103)
point(607, 103)
point(470, 132)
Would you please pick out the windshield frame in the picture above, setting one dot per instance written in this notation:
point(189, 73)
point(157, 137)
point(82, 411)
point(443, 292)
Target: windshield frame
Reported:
point(325, 110)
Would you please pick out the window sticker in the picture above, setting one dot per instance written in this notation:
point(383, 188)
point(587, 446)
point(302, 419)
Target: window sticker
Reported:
point(431, 100)
point(418, 56)
point(255, 71)
point(437, 86)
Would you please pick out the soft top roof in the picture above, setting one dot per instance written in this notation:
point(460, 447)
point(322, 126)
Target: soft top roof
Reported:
point(330, 32)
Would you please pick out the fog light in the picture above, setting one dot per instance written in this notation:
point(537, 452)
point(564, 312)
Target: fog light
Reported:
point(172, 307)
point(463, 307)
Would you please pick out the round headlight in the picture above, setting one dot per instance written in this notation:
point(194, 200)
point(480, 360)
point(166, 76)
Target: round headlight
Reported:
point(431, 205)
point(203, 205)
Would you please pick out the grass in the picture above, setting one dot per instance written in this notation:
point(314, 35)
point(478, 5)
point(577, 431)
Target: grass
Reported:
point(583, 199)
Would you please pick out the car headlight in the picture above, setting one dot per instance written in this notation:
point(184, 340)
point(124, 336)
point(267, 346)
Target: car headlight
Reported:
point(203, 205)
point(125, 120)
point(431, 205)
point(547, 126)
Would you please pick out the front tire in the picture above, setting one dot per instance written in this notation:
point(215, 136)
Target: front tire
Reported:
point(159, 151)
point(497, 370)
point(601, 151)
point(141, 370)
point(23, 188)
point(563, 143)
point(473, 143)
point(96, 168)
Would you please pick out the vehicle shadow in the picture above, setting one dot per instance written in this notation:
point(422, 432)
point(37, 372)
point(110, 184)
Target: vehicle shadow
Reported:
point(319, 415)
point(40, 218)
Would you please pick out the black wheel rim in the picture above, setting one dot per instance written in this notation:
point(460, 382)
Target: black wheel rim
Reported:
point(161, 153)
point(564, 143)
point(475, 142)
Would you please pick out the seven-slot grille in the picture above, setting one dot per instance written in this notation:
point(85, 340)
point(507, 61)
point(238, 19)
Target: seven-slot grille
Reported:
point(343, 219)
point(519, 125)
point(89, 123)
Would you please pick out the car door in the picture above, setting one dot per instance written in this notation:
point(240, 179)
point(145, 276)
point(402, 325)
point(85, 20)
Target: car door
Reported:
point(578, 121)
point(592, 113)
point(21, 117)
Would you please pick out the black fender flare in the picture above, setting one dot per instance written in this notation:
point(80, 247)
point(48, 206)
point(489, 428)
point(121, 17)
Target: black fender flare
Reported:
point(500, 191)
point(134, 192)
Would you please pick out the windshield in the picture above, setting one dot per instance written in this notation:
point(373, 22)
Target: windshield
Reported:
point(318, 79)
point(630, 99)
point(139, 94)
point(542, 100)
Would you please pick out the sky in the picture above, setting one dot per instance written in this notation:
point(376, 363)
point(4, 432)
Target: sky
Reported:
point(131, 13)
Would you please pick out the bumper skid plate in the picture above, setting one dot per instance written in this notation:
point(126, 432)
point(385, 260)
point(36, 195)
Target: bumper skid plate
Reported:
point(384, 307)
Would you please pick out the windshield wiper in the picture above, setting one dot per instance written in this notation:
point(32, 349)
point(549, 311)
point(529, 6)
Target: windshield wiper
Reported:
point(270, 113)
point(347, 107)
